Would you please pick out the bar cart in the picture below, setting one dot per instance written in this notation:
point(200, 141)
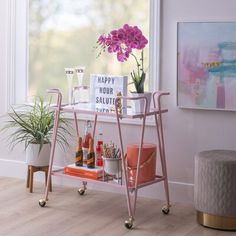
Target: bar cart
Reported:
point(131, 191)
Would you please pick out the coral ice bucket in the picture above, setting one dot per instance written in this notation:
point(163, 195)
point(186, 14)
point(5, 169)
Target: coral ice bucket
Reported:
point(147, 169)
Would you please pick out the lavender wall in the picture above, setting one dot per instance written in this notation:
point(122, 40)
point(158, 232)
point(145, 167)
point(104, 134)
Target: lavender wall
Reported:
point(190, 131)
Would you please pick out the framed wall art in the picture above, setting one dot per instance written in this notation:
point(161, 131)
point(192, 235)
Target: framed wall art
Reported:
point(206, 64)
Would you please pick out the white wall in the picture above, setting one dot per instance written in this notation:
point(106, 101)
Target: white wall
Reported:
point(186, 131)
point(190, 131)
point(3, 55)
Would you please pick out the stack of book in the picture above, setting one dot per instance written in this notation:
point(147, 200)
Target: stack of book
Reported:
point(84, 171)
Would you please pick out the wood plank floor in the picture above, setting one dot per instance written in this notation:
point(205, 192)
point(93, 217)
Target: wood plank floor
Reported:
point(95, 213)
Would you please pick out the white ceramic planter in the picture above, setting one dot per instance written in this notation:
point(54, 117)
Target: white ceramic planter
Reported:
point(112, 166)
point(36, 158)
point(138, 105)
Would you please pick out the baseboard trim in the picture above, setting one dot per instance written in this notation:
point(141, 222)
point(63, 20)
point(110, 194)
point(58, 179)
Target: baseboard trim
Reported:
point(179, 191)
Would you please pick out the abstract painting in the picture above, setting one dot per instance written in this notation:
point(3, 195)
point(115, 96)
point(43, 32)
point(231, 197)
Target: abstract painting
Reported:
point(206, 65)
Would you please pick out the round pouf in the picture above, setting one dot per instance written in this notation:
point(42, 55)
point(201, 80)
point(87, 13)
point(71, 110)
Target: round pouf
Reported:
point(215, 189)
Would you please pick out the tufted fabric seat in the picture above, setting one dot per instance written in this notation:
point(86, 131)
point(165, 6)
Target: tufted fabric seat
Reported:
point(215, 188)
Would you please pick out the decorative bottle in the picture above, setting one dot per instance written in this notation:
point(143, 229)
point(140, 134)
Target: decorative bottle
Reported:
point(91, 155)
point(85, 143)
point(99, 161)
point(79, 153)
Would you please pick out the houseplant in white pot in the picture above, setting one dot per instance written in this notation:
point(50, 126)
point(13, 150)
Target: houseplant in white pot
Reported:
point(33, 126)
point(122, 42)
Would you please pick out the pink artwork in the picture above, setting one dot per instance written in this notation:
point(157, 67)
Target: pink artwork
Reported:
point(207, 65)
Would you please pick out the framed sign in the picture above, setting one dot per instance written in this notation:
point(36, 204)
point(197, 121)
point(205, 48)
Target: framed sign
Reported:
point(207, 65)
point(104, 89)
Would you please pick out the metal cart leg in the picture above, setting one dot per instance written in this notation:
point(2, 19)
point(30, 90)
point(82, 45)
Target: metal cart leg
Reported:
point(129, 222)
point(94, 125)
point(138, 164)
point(81, 190)
point(160, 135)
point(131, 210)
point(76, 124)
point(165, 208)
point(42, 201)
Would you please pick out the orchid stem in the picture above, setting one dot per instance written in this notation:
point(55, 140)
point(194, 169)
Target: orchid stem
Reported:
point(138, 65)
point(142, 59)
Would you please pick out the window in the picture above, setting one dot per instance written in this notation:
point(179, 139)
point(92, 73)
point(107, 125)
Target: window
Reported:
point(62, 33)
point(16, 59)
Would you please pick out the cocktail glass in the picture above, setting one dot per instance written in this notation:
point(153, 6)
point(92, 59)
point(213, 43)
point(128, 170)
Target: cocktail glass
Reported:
point(69, 76)
point(81, 91)
point(79, 70)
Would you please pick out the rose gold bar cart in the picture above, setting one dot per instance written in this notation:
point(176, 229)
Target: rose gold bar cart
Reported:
point(131, 192)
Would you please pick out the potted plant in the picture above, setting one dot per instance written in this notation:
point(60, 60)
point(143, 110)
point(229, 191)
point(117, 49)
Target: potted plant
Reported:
point(33, 126)
point(122, 42)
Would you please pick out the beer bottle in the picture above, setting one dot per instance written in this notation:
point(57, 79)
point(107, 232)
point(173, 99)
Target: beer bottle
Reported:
point(91, 155)
point(85, 143)
point(99, 161)
point(79, 153)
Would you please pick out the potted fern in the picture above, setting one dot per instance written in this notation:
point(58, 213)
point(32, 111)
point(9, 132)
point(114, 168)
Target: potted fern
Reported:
point(33, 126)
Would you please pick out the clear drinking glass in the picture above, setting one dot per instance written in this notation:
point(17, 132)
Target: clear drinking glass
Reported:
point(79, 70)
point(84, 94)
point(69, 76)
point(82, 91)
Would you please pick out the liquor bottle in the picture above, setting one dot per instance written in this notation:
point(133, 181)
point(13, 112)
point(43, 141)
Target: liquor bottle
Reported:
point(99, 161)
point(85, 143)
point(79, 153)
point(91, 155)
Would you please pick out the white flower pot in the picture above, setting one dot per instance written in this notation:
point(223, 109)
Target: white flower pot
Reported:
point(112, 166)
point(138, 105)
point(36, 158)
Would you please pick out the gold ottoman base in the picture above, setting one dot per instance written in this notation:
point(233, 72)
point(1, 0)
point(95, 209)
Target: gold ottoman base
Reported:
point(217, 222)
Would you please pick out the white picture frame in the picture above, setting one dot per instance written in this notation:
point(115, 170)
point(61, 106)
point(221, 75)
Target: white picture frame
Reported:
point(104, 89)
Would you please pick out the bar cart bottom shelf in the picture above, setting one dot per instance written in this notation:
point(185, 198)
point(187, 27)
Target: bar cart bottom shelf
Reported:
point(81, 191)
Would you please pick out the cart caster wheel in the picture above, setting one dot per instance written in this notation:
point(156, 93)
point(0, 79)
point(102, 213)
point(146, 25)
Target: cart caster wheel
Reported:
point(165, 210)
point(42, 203)
point(81, 191)
point(129, 223)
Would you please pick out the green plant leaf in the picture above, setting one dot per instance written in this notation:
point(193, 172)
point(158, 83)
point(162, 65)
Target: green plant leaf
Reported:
point(35, 125)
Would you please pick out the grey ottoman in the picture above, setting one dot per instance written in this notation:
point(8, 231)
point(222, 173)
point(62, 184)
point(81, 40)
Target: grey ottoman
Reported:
point(215, 189)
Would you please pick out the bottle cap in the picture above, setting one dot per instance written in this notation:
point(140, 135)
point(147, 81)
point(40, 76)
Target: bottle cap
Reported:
point(89, 124)
point(100, 142)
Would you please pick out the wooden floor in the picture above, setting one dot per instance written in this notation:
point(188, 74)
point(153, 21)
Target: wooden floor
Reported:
point(95, 213)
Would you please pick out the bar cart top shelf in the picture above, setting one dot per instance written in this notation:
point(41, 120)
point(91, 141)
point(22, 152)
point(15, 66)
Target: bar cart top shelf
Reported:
point(89, 108)
point(127, 112)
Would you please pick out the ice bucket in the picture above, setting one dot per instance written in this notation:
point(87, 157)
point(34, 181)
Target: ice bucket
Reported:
point(147, 170)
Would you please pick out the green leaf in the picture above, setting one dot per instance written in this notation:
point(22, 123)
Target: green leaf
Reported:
point(35, 125)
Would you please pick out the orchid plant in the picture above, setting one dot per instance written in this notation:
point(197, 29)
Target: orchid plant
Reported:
point(122, 42)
